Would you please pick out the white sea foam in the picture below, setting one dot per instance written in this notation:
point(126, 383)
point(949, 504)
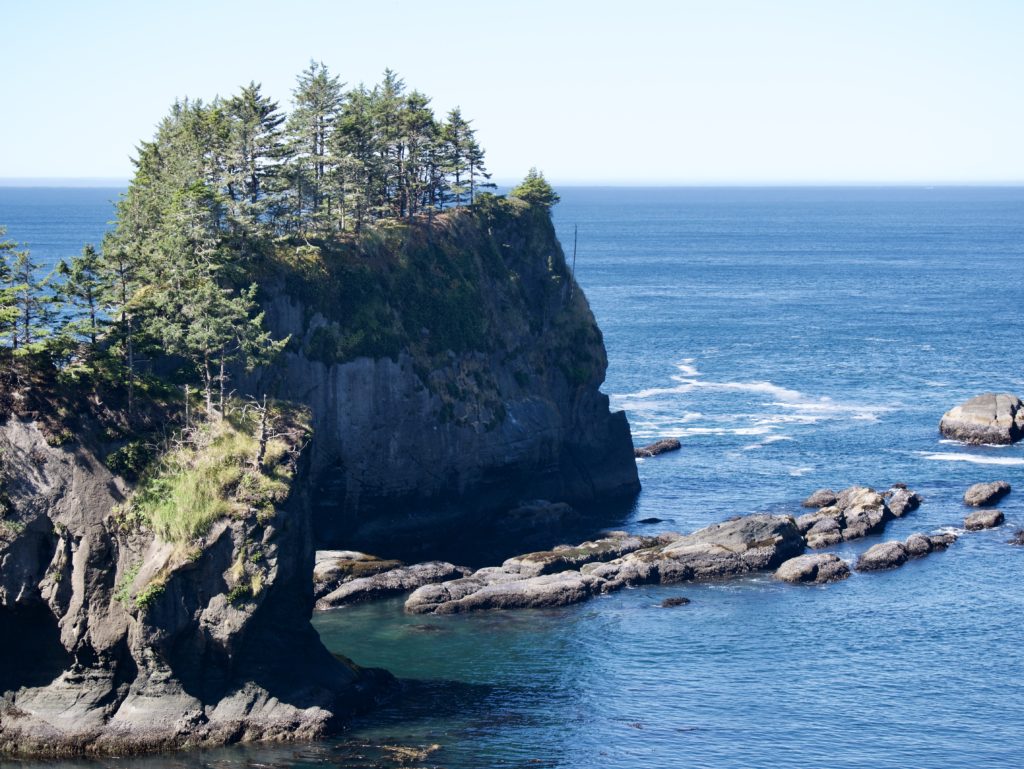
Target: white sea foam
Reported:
point(769, 439)
point(797, 472)
point(977, 459)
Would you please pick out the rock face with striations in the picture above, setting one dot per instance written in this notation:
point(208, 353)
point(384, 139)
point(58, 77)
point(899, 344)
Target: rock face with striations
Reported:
point(113, 641)
point(996, 418)
point(453, 371)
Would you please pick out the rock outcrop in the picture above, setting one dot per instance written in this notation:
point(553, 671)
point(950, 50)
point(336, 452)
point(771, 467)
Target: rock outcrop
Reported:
point(113, 640)
point(855, 513)
point(658, 447)
point(813, 569)
point(985, 494)
point(991, 418)
point(893, 554)
point(902, 501)
point(451, 372)
point(570, 575)
point(389, 583)
point(983, 519)
point(884, 555)
point(820, 498)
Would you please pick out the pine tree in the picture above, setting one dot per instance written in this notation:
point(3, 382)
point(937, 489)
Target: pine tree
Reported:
point(535, 190)
point(479, 177)
point(454, 137)
point(32, 303)
point(8, 306)
point(252, 156)
point(318, 102)
point(81, 289)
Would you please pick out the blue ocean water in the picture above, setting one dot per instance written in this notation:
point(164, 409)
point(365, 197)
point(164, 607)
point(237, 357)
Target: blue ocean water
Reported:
point(792, 338)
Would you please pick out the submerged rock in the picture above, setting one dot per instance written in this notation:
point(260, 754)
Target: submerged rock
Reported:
point(983, 519)
point(658, 447)
point(996, 418)
point(816, 568)
point(674, 601)
point(820, 498)
point(389, 583)
point(1018, 538)
point(539, 514)
point(984, 494)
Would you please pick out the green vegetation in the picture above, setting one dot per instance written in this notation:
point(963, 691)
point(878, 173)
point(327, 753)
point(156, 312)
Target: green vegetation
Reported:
point(232, 190)
point(216, 473)
point(123, 591)
point(535, 190)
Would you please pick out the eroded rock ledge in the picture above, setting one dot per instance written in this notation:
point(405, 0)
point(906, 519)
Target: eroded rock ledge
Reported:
point(113, 641)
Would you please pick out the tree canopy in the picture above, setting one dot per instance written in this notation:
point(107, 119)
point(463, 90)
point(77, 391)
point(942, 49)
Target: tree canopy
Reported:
point(535, 190)
point(172, 291)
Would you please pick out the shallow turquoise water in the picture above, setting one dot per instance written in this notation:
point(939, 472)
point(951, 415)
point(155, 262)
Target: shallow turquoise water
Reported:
point(794, 339)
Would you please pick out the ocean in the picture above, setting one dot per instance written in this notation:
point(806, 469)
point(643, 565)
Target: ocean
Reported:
point(792, 338)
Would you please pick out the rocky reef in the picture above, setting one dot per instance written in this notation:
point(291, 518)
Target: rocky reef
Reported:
point(452, 370)
point(568, 575)
point(119, 635)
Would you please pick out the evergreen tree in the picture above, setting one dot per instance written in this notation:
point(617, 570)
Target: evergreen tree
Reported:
point(80, 290)
point(479, 177)
point(455, 135)
point(535, 190)
point(32, 303)
point(318, 102)
point(252, 156)
point(8, 306)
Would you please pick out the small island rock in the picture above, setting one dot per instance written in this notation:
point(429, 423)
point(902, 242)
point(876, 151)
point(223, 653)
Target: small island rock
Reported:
point(995, 418)
point(658, 447)
point(984, 494)
point(983, 519)
point(813, 569)
point(885, 555)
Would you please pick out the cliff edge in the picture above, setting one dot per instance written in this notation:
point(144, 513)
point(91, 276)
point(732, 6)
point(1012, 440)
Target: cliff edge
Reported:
point(453, 370)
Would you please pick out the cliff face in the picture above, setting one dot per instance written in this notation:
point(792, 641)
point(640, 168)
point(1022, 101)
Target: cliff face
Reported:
point(114, 640)
point(453, 371)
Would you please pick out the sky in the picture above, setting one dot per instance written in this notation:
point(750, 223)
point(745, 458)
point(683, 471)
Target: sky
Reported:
point(638, 92)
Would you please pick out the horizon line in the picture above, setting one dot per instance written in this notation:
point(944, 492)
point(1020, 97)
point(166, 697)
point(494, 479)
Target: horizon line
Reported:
point(113, 182)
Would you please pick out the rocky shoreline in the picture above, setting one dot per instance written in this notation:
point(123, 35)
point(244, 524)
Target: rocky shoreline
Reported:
point(570, 574)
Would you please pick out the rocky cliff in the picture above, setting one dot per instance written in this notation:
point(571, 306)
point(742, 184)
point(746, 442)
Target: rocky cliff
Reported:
point(453, 369)
point(116, 635)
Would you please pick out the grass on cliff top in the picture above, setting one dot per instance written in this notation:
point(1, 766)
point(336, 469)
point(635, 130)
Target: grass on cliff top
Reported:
point(210, 476)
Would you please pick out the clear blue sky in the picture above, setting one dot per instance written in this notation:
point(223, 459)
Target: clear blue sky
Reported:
point(715, 91)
